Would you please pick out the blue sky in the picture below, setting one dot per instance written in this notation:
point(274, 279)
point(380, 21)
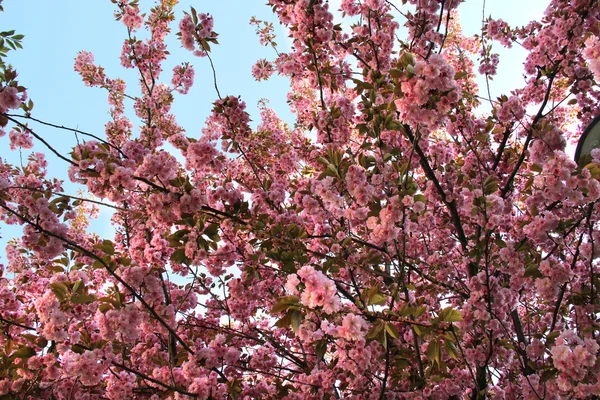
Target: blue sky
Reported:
point(55, 30)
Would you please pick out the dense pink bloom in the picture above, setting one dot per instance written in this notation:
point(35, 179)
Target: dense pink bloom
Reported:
point(510, 109)
point(319, 290)
point(592, 54)
point(183, 78)
point(262, 70)
point(400, 235)
point(352, 327)
point(9, 98)
point(132, 18)
point(20, 139)
point(193, 35)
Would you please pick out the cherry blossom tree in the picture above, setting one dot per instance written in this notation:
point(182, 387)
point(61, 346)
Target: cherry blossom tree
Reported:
point(407, 237)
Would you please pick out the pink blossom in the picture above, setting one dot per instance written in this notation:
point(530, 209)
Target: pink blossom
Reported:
point(352, 327)
point(131, 18)
point(9, 98)
point(183, 78)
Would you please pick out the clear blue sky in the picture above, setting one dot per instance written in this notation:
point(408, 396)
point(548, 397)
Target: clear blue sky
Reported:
point(55, 30)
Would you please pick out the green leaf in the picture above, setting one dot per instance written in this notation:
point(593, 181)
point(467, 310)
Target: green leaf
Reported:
point(401, 363)
point(321, 348)
point(211, 231)
point(451, 349)
point(433, 352)
point(60, 290)
point(105, 307)
point(194, 16)
point(82, 298)
point(374, 297)
point(407, 59)
point(549, 374)
point(490, 185)
point(450, 315)
point(30, 337)
point(332, 169)
point(422, 331)
point(56, 268)
point(533, 271)
point(392, 330)
point(284, 322)
point(77, 286)
point(322, 160)
point(296, 319)
point(500, 243)
point(284, 303)
point(419, 311)
point(594, 170)
point(536, 167)
point(377, 299)
point(375, 330)
point(420, 197)
point(42, 342)
point(179, 256)
point(23, 352)
point(396, 73)
point(551, 337)
point(235, 389)
point(394, 126)
point(108, 247)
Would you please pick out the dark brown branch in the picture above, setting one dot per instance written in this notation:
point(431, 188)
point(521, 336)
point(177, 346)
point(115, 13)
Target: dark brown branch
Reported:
point(564, 286)
point(521, 338)
point(142, 375)
point(501, 148)
point(29, 328)
point(536, 119)
point(38, 137)
point(67, 129)
point(88, 253)
point(69, 196)
point(150, 379)
point(431, 176)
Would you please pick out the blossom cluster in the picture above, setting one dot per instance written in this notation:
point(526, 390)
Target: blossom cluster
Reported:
point(430, 93)
point(394, 240)
point(319, 291)
point(195, 34)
